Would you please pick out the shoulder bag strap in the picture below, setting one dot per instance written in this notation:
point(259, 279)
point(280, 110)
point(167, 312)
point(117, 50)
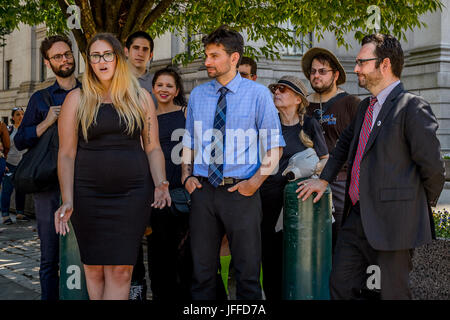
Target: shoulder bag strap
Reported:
point(47, 97)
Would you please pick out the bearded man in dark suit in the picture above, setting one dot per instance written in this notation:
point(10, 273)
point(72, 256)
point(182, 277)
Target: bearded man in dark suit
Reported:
point(395, 175)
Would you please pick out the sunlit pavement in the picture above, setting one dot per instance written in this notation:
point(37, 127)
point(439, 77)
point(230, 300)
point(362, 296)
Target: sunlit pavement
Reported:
point(19, 261)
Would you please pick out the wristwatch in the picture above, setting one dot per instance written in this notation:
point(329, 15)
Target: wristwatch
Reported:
point(163, 182)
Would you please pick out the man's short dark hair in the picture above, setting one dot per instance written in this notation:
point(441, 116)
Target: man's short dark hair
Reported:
point(251, 63)
point(322, 58)
point(387, 46)
point(230, 39)
point(139, 34)
point(48, 42)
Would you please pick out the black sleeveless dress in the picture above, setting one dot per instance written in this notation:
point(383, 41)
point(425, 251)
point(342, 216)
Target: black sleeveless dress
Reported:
point(113, 191)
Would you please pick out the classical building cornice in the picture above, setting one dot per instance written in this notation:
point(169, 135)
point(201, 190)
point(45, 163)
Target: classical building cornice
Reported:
point(428, 54)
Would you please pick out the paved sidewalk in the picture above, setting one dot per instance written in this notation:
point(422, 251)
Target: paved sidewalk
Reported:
point(20, 255)
point(19, 261)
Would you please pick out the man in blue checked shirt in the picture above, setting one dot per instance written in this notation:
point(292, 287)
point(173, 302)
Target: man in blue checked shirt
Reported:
point(58, 56)
point(232, 143)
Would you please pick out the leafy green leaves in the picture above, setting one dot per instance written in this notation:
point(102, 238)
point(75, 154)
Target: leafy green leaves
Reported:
point(271, 24)
point(266, 21)
point(32, 12)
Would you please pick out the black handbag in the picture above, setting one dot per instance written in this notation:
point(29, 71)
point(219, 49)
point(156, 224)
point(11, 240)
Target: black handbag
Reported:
point(37, 171)
point(181, 201)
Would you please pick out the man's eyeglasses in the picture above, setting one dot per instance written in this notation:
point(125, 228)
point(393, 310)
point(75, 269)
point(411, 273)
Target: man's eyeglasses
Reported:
point(59, 57)
point(107, 57)
point(321, 71)
point(280, 87)
point(360, 62)
point(245, 74)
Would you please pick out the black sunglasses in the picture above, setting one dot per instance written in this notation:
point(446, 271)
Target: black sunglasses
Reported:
point(282, 88)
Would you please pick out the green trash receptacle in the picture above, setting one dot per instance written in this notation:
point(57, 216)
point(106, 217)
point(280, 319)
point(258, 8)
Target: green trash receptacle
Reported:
point(306, 245)
point(72, 281)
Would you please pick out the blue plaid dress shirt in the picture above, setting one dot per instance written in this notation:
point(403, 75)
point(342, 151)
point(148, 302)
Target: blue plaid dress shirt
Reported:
point(252, 126)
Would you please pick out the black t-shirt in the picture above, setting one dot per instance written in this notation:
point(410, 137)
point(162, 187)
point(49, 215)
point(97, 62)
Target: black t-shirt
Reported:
point(294, 145)
point(334, 121)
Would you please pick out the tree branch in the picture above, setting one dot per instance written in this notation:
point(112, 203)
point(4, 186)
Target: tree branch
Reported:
point(132, 12)
point(143, 13)
point(63, 5)
point(87, 20)
point(155, 14)
point(78, 34)
point(113, 7)
point(97, 11)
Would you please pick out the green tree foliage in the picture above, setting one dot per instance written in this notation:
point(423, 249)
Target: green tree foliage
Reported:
point(260, 19)
point(3, 32)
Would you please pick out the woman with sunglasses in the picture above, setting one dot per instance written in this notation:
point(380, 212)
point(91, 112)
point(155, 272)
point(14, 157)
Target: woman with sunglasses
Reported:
point(13, 159)
point(109, 145)
point(299, 132)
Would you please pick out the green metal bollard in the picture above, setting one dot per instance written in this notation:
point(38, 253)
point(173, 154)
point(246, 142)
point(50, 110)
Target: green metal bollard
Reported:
point(72, 281)
point(306, 245)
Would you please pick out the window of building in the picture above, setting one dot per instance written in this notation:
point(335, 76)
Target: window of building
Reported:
point(8, 74)
point(304, 42)
point(193, 43)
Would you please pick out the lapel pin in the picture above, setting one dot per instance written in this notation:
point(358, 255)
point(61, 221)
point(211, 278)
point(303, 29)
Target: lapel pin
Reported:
point(379, 123)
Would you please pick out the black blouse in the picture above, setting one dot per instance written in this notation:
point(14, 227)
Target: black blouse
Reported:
point(294, 145)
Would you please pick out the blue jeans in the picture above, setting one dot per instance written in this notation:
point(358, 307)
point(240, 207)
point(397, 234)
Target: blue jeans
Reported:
point(2, 168)
point(45, 205)
point(7, 190)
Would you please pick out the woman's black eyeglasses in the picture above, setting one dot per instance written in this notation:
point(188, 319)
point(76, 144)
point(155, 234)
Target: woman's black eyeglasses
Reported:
point(107, 57)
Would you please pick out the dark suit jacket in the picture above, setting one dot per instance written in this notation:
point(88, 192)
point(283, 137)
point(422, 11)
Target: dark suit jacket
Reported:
point(401, 172)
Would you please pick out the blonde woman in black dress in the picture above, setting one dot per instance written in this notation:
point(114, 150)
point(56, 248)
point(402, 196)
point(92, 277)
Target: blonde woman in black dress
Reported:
point(105, 175)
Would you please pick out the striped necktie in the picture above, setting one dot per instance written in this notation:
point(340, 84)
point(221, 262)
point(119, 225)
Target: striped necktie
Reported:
point(363, 138)
point(215, 169)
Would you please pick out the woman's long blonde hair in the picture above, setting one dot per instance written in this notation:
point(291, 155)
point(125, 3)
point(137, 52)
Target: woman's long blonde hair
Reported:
point(127, 95)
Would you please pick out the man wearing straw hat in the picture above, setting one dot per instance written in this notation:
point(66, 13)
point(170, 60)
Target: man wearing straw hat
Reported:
point(334, 109)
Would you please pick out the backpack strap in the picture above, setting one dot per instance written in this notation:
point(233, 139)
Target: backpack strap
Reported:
point(46, 96)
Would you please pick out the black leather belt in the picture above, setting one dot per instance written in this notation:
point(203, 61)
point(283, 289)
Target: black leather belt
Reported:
point(225, 181)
